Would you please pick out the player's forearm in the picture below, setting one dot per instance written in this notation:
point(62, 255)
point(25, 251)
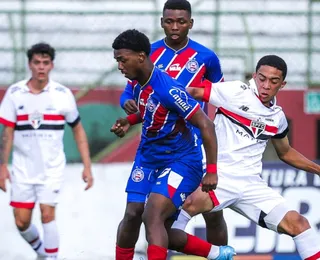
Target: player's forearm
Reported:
point(82, 144)
point(209, 140)
point(6, 144)
point(297, 160)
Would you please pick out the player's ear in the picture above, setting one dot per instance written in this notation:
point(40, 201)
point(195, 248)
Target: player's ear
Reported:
point(141, 57)
point(191, 23)
point(161, 22)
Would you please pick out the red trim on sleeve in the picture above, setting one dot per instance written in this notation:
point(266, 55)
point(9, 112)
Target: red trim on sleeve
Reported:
point(22, 205)
point(193, 112)
point(207, 90)
point(7, 123)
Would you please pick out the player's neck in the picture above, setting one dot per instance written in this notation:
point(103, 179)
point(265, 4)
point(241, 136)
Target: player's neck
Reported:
point(176, 46)
point(37, 86)
point(146, 74)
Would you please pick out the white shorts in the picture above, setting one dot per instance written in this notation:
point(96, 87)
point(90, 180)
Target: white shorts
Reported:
point(25, 195)
point(251, 197)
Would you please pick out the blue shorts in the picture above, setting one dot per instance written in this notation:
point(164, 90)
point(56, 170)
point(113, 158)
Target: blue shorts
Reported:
point(177, 181)
point(138, 186)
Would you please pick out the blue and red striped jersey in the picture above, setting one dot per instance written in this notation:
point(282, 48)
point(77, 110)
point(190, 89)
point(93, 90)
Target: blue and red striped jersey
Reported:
point(189, 65)
point(165, 106)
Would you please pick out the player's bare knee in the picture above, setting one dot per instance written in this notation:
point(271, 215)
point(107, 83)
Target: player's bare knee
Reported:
point(47, 217)
point(133, 215)
point(22, 224)
point(294, 224)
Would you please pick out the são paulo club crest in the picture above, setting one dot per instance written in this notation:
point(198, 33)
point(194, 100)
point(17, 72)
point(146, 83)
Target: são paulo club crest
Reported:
point(35, 119)
point(137, 175)
point(192, 66)
point(257, 127)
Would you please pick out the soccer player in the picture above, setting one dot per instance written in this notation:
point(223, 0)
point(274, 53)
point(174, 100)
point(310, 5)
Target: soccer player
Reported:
point(247, 118)
point(189, 62)
point(168, 144)
point(34, 112)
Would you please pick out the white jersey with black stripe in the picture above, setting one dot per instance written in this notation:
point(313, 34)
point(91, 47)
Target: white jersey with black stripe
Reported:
point(38, 121)
point(244, 126)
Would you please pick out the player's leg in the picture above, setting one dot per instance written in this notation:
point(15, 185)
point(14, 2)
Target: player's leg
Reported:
point(216, 227)
point(138, 187)
point(48, 197)
point(23, 201)
point(268, 209)
point(196, 203)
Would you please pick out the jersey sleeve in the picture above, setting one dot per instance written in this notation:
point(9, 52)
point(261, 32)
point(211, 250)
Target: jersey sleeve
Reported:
point(8, 115)
point(218, 94)
point(283, 128)
point(178, 100)
point(127, 93)
point(71, 114)
point(213, 69)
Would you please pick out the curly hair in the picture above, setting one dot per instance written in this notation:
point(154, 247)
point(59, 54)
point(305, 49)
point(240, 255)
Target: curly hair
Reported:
point(132, 40)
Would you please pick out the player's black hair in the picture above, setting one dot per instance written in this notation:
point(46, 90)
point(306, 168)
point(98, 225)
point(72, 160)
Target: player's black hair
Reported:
point(177, 5)
point(132, 40)
point(273, 61)
point(41, 48)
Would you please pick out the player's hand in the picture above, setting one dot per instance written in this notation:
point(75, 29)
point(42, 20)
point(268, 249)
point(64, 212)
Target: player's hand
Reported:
point(87, 178)
point(4, 175)
point(130, 107)
point(121, 127)
point(209, 182)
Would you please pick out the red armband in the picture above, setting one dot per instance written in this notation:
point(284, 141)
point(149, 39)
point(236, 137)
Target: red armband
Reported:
point(207, 90)
point(134, 119)
point(212, 168)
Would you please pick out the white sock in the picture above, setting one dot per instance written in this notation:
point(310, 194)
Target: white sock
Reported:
point(51, 238)
point(214, 252)
point(31, 235)
point(182, 220)
point(308, 244)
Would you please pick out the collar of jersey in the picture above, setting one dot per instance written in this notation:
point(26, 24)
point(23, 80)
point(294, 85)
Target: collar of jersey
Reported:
point(26, 88)
point(252, 84)
point(145, 84)
point(164, 41)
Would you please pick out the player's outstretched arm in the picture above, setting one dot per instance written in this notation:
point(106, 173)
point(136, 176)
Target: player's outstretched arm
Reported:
point(83, 147)
point(5, 149)
point(292, 157)
point(208, 134)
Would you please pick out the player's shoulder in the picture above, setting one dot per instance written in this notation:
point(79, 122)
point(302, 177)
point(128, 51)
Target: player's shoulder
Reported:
point(164, 80)
point(157, 44)
point(17, 87)
point(202, 49)
point(59, 88)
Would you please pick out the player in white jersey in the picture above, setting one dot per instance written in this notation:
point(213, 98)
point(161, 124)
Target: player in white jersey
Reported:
point(34, 112)
point(247, 117)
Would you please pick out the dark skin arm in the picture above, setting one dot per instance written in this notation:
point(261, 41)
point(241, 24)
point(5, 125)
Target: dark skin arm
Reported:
point(196, 93)
point(292, 157)
point(130, 107)
point(209, 139)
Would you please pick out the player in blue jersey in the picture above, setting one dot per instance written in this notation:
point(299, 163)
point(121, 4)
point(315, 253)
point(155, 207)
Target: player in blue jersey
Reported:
point(189, 62)
point(168, 144)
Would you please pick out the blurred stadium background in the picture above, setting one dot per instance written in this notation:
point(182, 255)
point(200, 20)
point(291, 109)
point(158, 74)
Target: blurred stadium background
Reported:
point(239, 31)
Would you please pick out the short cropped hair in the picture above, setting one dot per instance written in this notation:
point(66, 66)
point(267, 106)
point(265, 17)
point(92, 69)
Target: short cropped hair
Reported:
point(41, 48)
point(132, 40)
point(177, 5)
point(273, 61)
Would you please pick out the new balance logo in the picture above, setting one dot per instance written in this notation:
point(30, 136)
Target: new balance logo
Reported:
point(244, 108)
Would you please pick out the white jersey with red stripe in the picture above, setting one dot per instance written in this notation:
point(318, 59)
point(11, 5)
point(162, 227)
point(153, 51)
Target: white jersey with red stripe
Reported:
point(38, 121)
point(244, 126)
